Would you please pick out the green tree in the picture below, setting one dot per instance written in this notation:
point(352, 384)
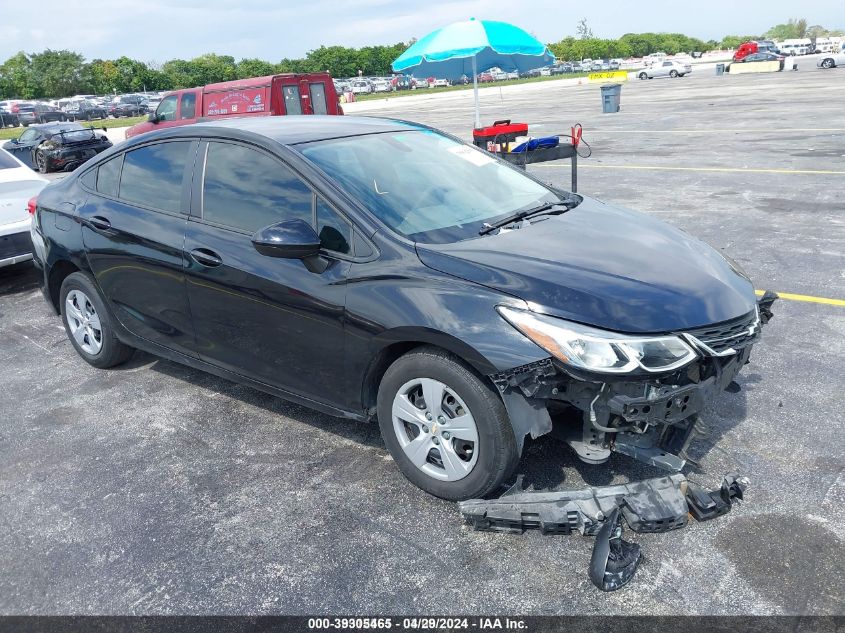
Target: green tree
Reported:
point(17, 75)
point(56, 73)
point(254, 68)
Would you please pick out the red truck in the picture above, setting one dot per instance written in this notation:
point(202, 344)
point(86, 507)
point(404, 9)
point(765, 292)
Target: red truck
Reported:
point(275, 95)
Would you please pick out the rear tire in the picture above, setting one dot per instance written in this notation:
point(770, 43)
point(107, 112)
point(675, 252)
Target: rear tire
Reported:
point(483, 440)
point(88, 324)
point(673, 73)
point(42, 163)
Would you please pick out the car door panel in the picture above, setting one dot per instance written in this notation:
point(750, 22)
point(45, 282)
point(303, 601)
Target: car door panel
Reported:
point(266, 318)
point(136, 255)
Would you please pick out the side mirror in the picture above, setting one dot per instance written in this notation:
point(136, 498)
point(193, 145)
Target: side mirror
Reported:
point(15, 141)
point(291, 239)
point(153, 118)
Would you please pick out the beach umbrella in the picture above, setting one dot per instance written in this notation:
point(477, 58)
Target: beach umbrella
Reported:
point(471, 47)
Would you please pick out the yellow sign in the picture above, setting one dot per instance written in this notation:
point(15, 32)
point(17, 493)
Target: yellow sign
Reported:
point(616, 75)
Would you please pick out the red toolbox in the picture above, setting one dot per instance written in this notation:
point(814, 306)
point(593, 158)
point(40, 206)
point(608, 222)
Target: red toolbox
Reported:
point(499, 132)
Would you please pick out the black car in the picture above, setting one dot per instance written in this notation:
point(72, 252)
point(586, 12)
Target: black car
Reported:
point(57, 146)
point(85, 110)
point(7, 117)
point(30, 113)
point(128, 105)
point(376, 269)
point(763, 56)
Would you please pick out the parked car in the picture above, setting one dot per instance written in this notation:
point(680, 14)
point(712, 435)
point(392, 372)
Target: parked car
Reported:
point(754, 46)
point(367, 268)
point(7, 117)
point(36, 112)
point(362, 87)
point(274, 95)
point(382, 85)
point(615, 65)
point(441, 83)
point(831, 60)
point(84, 110)
point(127, 105)
point(666, 68)
point(18, 187)
point(420, 82)
point(57, 146)
point(760, 57)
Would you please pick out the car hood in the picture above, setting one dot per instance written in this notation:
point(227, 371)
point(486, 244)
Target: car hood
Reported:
point(603, 266)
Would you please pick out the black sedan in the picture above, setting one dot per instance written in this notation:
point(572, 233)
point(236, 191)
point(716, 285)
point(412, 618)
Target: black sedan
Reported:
point(382, 270)
point(85, 111)
point(57, 146)
point(763, 56)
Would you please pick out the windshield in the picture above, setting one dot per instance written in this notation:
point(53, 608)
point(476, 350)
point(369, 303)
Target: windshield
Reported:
point(426, 186)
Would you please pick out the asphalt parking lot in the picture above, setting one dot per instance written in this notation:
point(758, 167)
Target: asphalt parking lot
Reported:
point(157, 489)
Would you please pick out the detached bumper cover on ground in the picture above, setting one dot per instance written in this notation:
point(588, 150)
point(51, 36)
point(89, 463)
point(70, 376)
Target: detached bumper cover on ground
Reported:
point(654, 505)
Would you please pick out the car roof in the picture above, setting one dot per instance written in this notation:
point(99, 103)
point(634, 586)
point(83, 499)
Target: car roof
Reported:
point(291, 130)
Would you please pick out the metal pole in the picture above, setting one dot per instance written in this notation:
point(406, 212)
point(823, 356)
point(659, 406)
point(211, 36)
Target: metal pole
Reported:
point(475, 91)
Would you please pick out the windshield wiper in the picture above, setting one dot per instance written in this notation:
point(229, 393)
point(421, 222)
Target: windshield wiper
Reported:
point(525, 213)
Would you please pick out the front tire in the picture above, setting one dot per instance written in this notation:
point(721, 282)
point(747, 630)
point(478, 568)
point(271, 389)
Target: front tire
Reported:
point(89, 325)
point(643, 76)
point(447, 430)
point(828, 63)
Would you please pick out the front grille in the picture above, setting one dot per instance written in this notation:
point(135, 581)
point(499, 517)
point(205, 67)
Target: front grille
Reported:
point(15, 244)
point(736, 333)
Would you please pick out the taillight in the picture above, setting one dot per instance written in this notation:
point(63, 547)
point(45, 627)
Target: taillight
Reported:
point(30, 206)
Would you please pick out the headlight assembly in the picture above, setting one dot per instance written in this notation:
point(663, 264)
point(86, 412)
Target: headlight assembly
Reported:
point(597, 350)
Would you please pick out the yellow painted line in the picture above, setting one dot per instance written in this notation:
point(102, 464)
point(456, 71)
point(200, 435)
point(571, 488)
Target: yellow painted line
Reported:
point(807, 298)
point(735, 170)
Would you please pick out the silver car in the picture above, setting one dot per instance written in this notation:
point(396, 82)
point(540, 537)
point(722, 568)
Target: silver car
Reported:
point(668, 68)
point(831, 60)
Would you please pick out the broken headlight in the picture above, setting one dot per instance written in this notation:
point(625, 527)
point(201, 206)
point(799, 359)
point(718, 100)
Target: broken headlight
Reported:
point(599, 350)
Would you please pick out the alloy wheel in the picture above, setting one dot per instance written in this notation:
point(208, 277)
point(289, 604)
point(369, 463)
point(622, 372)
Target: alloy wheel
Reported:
point(83, 322)
point(435, 429)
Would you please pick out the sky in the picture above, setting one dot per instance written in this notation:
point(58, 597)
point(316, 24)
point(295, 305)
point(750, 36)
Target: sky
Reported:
point(159, 30)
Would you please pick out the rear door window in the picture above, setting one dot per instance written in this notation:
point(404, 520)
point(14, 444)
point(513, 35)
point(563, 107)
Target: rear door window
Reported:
point(293, 101)
point(152, 175)
point(246, 189)
point(318, 97)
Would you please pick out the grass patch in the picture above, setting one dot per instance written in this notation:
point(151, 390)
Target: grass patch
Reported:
point(490, 84)
point(15, 132)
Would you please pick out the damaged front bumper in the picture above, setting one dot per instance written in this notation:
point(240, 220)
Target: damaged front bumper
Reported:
point(649, 417)
point(654, 505)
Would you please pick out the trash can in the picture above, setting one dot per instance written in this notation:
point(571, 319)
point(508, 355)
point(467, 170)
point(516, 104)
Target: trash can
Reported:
point(611, 95)
point(720, 69)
